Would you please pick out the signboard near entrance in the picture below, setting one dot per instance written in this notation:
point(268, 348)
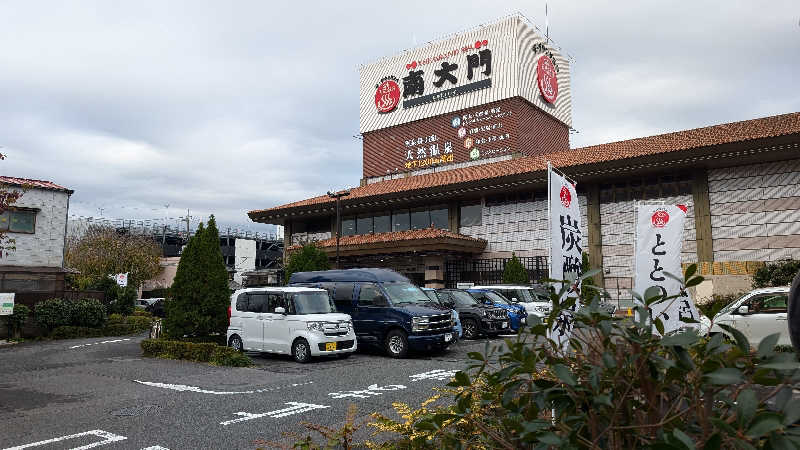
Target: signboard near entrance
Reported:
point(6, 304)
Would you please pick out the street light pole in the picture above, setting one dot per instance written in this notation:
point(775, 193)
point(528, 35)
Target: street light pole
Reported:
point(338, 196)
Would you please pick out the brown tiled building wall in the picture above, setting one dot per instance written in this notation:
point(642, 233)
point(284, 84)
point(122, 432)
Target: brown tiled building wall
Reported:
point(530, 131)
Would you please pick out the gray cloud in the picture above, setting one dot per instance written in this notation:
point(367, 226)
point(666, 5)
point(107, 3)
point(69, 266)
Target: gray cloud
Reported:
point(222, 108)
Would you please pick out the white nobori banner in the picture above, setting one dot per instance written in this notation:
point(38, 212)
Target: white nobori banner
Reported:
point(566, 249)
point(659, 239)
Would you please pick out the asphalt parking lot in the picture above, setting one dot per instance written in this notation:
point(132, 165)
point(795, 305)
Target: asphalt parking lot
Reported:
point(100, 392)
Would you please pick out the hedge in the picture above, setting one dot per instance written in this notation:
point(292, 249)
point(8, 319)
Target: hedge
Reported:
point(191, 351)
point(73, 332)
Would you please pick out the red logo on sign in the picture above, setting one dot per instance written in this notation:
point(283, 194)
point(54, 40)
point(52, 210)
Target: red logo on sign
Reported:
point(387, 96)
point(683, 208)
point(566, 197)
point(660, 218)
point(548, 82)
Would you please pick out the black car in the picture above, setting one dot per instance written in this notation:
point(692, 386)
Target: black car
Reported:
point(476, 318)
point(156, 308)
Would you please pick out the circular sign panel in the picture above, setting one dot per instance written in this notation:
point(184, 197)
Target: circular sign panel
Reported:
point(548, 81)
point(660, 218)
point(462, 132)
point(387, 96)
point(468, 143)
point(474, 153)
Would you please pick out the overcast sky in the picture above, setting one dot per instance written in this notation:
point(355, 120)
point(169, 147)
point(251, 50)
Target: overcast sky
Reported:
point(224, 107)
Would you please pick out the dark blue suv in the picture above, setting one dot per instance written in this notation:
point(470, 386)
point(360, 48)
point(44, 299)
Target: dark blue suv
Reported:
point(388, 310)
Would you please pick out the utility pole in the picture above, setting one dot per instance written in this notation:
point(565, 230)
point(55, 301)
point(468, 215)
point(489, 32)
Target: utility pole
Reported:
point(338, 196)
point(188, 217)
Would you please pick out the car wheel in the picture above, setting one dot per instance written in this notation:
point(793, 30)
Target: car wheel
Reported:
point(397, 344)
point(235, 342)
point(301, 351)
point(470, 328)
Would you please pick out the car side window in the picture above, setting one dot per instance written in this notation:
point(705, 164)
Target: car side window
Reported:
point(257, 302)
point(368, 293)
point(769, 304)
point(343, 298)
point(444, 298)
point(241, 302)
point(330, 287)
point(275, 300)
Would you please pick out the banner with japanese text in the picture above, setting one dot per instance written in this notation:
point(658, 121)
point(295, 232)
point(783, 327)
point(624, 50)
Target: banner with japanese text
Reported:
point(566, 249)
point(659, 239)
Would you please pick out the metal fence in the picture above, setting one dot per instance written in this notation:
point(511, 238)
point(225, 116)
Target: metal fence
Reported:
point(490, 270)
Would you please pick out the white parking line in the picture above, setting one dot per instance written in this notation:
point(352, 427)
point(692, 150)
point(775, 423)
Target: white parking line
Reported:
point(371, 390)
point(185, 388)
point(295, 408)
point(108, 438)
point(436, 374)
point(101, 342)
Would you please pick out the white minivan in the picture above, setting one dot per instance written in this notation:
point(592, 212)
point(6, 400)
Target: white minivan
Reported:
point(536, 301)
point(299, 321)
point(758, 314)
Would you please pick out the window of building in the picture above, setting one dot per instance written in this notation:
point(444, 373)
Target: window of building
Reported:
point(400, 220)
point(348, 226)
point(319, 225)
point(471, 215)
point(382, 223)
point(420, 219)
point(440, 218)
point(364, 225)
point(18, 221)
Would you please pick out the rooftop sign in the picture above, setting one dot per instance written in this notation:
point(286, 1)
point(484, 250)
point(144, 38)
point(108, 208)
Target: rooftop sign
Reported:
point(505, 59)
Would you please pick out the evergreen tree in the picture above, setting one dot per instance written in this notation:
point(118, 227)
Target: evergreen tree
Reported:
point(308, 259)
point(200, 293)
point(514, 272)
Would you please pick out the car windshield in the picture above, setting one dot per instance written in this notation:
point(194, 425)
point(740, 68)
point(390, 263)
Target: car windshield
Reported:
point(522, 295)
point(312, 303)
point(463, 299)
point(401, 293)
point(496, 298)
point(431, 295)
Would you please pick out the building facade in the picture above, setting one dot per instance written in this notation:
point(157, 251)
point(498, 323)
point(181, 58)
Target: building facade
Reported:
point(442, 221)
point(35, 226)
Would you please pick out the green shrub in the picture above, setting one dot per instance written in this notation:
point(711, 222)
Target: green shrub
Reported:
point(15, 322)
point(779, 273)
point(142, 313)
point(219, 339)
point(139, 322)
point(124, 301)
point(114, 319)
point(191, 351)
point(73, 332)
point(226, 356)
point(514, 272)
point(88, 312)
point(53, 313)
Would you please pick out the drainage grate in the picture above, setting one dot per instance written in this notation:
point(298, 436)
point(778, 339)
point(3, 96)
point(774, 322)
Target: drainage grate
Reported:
point(137, 411)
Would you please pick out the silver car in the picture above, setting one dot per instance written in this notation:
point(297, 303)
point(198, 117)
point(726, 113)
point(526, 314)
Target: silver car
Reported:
point(758, 314)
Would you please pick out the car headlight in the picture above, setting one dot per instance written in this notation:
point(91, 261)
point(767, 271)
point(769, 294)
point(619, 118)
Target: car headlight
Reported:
point(485, 313)
point(316, 326)
point(419, 323)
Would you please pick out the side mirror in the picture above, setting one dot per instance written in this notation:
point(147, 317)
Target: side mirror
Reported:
point(744, 309)
point(280, 310)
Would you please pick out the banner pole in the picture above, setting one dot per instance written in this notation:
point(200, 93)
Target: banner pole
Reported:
point(549, 223)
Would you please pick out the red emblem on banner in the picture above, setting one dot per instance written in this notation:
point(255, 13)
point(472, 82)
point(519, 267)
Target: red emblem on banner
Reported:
point(566, 197)
point(387, 96)
point(660, 218)
point(683, 208)
point(548, 81)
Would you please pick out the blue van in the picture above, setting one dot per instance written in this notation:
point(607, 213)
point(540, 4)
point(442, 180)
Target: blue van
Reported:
point(388, 310)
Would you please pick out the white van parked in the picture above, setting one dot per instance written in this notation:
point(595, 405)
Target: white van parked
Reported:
point(299, 321)
point(536, 301)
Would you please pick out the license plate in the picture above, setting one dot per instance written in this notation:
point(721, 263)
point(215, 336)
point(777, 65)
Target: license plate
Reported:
point(330, 346)
point(448, 337)
point(505, 324)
